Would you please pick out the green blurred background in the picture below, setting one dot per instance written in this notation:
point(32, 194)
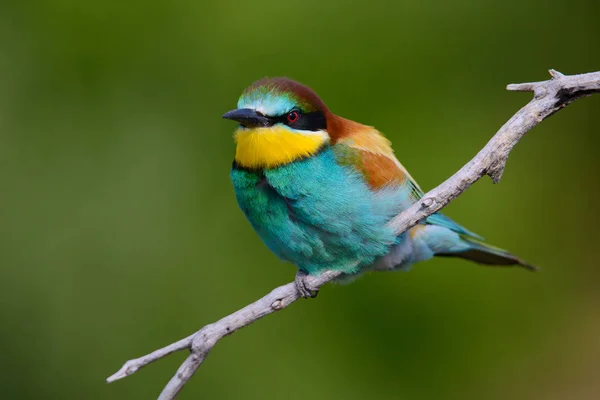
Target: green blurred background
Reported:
point(120, 232)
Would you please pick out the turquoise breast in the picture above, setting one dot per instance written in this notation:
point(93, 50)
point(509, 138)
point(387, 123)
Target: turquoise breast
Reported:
point(318, 214)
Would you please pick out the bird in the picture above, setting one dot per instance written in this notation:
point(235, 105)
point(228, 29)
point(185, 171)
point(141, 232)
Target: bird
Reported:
point(319, 190)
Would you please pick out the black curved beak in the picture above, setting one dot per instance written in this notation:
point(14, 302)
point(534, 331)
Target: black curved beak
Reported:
point(248, 118)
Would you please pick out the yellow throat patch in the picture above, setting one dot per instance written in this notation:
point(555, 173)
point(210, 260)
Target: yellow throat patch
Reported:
point(275, 146)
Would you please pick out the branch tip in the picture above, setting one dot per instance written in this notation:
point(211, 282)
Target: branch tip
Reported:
point(521, 87)
point(124, 372)
point(555, 74)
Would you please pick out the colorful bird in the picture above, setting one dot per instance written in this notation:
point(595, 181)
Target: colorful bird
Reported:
point(319, 189)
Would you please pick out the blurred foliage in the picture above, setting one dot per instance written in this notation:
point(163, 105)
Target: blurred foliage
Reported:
point(120, 232)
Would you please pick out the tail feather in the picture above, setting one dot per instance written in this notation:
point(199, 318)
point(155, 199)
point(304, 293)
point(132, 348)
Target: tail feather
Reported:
point(487, 254)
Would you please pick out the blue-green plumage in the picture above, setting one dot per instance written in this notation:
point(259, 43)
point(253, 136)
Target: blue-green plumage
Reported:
point(318, 214)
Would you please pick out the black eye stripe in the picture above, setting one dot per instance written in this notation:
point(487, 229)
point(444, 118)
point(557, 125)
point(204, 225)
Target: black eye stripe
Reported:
point(311, 121)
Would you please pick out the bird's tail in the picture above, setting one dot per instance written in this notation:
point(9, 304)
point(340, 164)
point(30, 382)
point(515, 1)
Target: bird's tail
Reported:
point(487, 254)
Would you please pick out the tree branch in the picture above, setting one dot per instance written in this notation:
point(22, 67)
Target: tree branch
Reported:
point(549, 97)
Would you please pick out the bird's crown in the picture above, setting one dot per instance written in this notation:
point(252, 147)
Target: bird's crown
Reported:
point(278, 96)
point(280, 101)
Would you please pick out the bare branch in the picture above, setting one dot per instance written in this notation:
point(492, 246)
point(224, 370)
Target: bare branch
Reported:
point(549, 97)
point(202, 341)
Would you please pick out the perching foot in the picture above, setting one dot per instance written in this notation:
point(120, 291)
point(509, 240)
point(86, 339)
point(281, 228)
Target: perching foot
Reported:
point(301, 286)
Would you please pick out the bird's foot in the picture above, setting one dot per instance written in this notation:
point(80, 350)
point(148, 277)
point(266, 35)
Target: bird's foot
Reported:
point(302, 287)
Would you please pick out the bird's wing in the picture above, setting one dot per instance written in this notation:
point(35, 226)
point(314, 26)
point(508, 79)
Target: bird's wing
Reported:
point(371, 153)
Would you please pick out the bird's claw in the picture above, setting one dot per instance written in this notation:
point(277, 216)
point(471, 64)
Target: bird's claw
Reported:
point(302, 287)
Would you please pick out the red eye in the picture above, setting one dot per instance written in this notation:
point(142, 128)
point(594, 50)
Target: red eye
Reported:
point(293, 116)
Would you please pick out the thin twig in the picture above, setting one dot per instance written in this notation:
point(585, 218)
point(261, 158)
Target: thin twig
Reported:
point(549, 97)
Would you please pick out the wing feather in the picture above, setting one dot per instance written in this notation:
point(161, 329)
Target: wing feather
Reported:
point(371, 153)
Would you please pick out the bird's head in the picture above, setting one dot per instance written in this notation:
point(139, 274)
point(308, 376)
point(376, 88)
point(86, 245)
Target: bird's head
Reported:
point(281, 121)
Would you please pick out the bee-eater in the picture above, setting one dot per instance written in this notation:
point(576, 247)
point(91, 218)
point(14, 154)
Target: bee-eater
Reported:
point(320, 189)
